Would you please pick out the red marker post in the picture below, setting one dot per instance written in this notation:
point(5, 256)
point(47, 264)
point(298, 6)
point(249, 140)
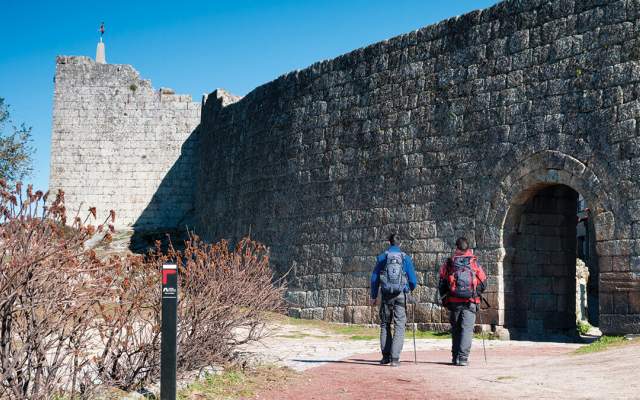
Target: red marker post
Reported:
point(169, 332)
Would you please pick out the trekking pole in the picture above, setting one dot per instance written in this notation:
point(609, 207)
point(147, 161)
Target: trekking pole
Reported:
point(413, 318)
point(484, 348)
point(371, 311)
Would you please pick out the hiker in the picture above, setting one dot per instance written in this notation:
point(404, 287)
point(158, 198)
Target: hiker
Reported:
point(462, 281)
point(395, 277)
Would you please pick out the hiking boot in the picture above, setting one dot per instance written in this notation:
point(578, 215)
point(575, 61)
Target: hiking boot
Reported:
point(385, 361)
point(463, 362)
point(395, 363)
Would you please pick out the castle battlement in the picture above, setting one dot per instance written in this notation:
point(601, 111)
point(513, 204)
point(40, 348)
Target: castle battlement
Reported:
point(119, 143)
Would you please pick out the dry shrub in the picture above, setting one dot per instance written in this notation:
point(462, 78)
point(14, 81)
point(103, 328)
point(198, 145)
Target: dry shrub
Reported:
point(46, 294)
point(128, 324)
point(224, 295)
point(70, 321)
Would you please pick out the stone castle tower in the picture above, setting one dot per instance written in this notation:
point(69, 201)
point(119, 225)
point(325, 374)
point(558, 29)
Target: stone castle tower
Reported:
point(486, 125)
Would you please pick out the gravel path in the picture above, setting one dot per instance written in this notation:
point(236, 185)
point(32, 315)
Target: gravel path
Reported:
point(334, 367)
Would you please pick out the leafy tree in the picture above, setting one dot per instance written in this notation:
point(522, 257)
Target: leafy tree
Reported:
point(15, 147)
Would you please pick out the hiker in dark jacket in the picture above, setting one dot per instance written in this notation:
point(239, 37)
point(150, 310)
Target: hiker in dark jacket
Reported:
point(395, 276)
point(462, 281)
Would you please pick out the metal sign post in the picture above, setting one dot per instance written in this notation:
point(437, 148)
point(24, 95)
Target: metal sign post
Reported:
point(169, 328)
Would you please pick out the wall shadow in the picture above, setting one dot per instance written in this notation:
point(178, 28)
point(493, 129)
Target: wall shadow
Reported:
point(170, 212)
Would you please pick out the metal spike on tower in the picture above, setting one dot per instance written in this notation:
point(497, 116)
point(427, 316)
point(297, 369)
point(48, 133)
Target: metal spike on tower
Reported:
point(101, 57)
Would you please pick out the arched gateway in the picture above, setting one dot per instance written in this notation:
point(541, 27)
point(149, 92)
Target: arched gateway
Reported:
point(534, 210)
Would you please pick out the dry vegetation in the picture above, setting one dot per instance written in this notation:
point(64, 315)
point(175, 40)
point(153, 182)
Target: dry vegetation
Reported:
point(71, 321)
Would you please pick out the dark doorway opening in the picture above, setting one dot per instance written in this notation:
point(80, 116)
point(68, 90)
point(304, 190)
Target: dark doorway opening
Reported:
point(548, 235)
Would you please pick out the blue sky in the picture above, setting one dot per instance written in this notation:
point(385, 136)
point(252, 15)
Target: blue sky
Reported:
point(190, 46)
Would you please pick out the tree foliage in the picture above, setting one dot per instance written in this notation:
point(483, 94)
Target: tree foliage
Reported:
point(16, 151)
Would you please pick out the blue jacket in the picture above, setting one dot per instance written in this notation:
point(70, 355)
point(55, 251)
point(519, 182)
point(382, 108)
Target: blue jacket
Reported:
point(407, 265)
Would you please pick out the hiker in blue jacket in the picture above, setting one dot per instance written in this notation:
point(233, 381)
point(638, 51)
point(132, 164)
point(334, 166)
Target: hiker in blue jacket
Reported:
point(395, 277)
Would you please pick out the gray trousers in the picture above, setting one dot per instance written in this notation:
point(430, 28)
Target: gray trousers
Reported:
point(462, 317)
point(392, 310)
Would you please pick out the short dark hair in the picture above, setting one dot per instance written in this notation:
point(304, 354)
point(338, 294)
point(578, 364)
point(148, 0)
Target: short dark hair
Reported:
point(462, 243)
point(393, 238)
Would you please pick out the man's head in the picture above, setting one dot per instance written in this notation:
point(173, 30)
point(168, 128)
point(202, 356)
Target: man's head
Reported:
point(393, 239)
point(462, 243)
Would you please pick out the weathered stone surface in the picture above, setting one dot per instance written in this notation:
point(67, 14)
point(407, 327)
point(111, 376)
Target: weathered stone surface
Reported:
point(118, 144)
point(582, 278)
point(454, 129)
point(436, 134)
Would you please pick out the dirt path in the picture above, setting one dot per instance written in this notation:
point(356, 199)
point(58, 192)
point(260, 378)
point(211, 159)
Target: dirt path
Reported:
point(515, 370)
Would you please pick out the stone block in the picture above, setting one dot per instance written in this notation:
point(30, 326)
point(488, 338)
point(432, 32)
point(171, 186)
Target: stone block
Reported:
point(294, 312)
point(621, 264)
point(634, 302)
point(334, 314)
point(605, 263)
point(346, 297)
point(312, 299)
point(539, 285)
point(358, 314)
point(606, 303)
point(296, 298)
point(635, 264)
point(543, 303)
point(423, 312)
point(612, 324)
point(334, 297)
point(312, 313)
point(535, 326)
point(436, 315)
point(360, 296)
point(559, 321)
point(563, 286)
point(620, 302)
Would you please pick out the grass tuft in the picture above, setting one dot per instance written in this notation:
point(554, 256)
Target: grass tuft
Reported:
point(236, 383)
point(583, 327)
point(602, 344)
point(354, 332)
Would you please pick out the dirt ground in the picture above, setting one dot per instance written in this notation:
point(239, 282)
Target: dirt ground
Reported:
point(514, 370)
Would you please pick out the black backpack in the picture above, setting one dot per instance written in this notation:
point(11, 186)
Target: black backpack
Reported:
point(393, 278)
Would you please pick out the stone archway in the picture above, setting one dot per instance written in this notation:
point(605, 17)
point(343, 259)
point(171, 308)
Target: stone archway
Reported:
point(537, 177)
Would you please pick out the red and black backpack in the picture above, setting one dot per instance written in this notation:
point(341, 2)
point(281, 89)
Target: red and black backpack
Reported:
point(461, 277)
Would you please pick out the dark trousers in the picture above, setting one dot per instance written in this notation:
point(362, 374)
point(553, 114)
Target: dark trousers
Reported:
point(462, 317)
point(392, 310)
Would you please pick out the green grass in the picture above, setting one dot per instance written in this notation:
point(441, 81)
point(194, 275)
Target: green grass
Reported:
point(487, 336)
point(357, 332)
point(583, 327)
point(408, 335)
point(363, 337)
point(217, 386)
point(432, 335)
point(602, 344)
point(236, 383)
point(353, 331)
point(301, 335)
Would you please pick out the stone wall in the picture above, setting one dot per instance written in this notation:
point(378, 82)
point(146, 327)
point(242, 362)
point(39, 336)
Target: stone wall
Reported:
point(435, 134)
point(119, 144)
